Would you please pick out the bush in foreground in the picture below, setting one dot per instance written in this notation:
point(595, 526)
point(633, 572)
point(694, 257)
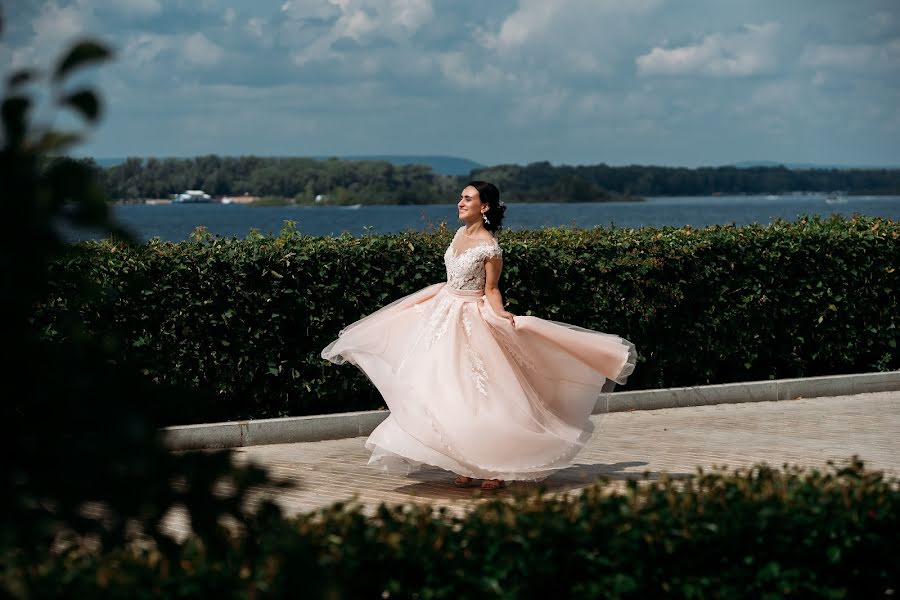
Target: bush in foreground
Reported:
point(757, 533)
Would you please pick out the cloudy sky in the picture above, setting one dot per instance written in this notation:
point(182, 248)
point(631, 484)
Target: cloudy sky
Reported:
point(670, 82)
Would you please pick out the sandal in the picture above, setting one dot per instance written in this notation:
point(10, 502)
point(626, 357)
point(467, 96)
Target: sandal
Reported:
point(493, 484)
point(463, 481)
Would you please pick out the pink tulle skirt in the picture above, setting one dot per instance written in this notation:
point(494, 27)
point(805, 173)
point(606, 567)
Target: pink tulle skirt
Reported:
point(472, 394)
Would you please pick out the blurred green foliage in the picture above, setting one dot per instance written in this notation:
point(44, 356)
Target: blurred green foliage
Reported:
point(756, 533)
point(85, 456)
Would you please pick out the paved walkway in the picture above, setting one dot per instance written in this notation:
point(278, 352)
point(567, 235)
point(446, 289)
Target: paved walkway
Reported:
point(806, 432)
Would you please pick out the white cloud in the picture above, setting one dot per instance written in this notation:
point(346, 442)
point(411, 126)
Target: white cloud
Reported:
point(310, 9)
point(536, 19)
point(411, 14)
point(579, 37)
point(144, 49)
point(199, 51)
point(359, 20)
point(457, 71)
point(355, 24)
point(256, 27)
point(141, 8)
point(195, 50)
point(853, 56)
point(545, 58)
point(53, 28)
point(57, 23)
point(127, 8)
point(748, 52)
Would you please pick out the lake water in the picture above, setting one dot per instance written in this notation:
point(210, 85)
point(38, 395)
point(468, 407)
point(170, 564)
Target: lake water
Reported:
point(177, 222)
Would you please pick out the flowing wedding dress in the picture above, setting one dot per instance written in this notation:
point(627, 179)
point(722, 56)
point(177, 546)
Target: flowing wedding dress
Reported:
point(470, 393)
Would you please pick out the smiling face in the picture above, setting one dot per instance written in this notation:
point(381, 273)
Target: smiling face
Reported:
point(470, 205)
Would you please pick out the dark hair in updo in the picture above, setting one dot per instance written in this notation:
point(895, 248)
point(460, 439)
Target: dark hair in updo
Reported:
point(489, 194)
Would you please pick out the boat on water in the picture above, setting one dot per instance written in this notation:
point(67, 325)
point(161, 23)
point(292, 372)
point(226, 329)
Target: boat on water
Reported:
point(835, 198)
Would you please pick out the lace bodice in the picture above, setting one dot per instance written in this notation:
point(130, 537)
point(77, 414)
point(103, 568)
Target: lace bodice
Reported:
point(465, 258)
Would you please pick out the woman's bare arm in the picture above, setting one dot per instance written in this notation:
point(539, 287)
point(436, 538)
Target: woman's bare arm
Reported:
point(492, 268)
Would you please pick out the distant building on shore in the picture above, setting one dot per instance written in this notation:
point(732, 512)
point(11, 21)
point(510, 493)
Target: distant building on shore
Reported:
point(242, 199)
point(192, 196)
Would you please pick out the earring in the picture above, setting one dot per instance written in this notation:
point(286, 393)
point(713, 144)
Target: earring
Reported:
point(484, 216)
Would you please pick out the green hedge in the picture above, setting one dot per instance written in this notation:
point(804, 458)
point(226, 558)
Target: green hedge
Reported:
point(247, 318)
point(760, 533)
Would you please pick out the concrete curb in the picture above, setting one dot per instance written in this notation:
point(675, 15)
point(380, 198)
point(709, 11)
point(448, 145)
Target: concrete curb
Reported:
point(750, 391)
point(287, 430)
point(234, 434)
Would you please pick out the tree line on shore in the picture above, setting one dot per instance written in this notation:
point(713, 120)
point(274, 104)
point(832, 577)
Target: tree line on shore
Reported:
point(341, 181)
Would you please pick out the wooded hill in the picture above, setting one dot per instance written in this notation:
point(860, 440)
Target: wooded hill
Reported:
point(381, 182)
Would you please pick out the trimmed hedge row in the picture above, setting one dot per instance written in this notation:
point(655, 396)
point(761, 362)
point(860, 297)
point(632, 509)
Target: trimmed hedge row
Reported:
point(247, 318)
point(759, 533)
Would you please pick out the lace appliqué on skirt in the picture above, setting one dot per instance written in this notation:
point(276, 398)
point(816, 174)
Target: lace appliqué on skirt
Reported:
point(438, 321)
point(476, 364)
point(520, 357)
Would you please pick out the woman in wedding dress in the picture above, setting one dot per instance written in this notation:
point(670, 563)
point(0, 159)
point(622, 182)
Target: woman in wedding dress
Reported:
point(472, 388)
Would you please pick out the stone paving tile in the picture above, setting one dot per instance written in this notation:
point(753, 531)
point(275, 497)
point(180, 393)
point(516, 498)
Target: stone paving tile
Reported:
point(805, 432)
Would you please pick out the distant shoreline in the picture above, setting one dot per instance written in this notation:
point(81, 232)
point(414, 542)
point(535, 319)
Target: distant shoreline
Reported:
point(273, 201)
point(262, 202)
point(279, 181)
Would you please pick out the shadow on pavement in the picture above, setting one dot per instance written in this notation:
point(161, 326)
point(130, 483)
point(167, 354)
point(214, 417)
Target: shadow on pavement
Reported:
point(437, 484)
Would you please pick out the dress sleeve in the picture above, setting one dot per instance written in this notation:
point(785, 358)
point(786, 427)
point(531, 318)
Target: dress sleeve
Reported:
point(493, 251)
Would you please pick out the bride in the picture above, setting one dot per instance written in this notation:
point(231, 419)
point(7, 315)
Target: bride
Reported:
point(472, 388)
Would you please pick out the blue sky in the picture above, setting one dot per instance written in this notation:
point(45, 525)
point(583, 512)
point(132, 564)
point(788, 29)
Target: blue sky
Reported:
point(669, 82)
